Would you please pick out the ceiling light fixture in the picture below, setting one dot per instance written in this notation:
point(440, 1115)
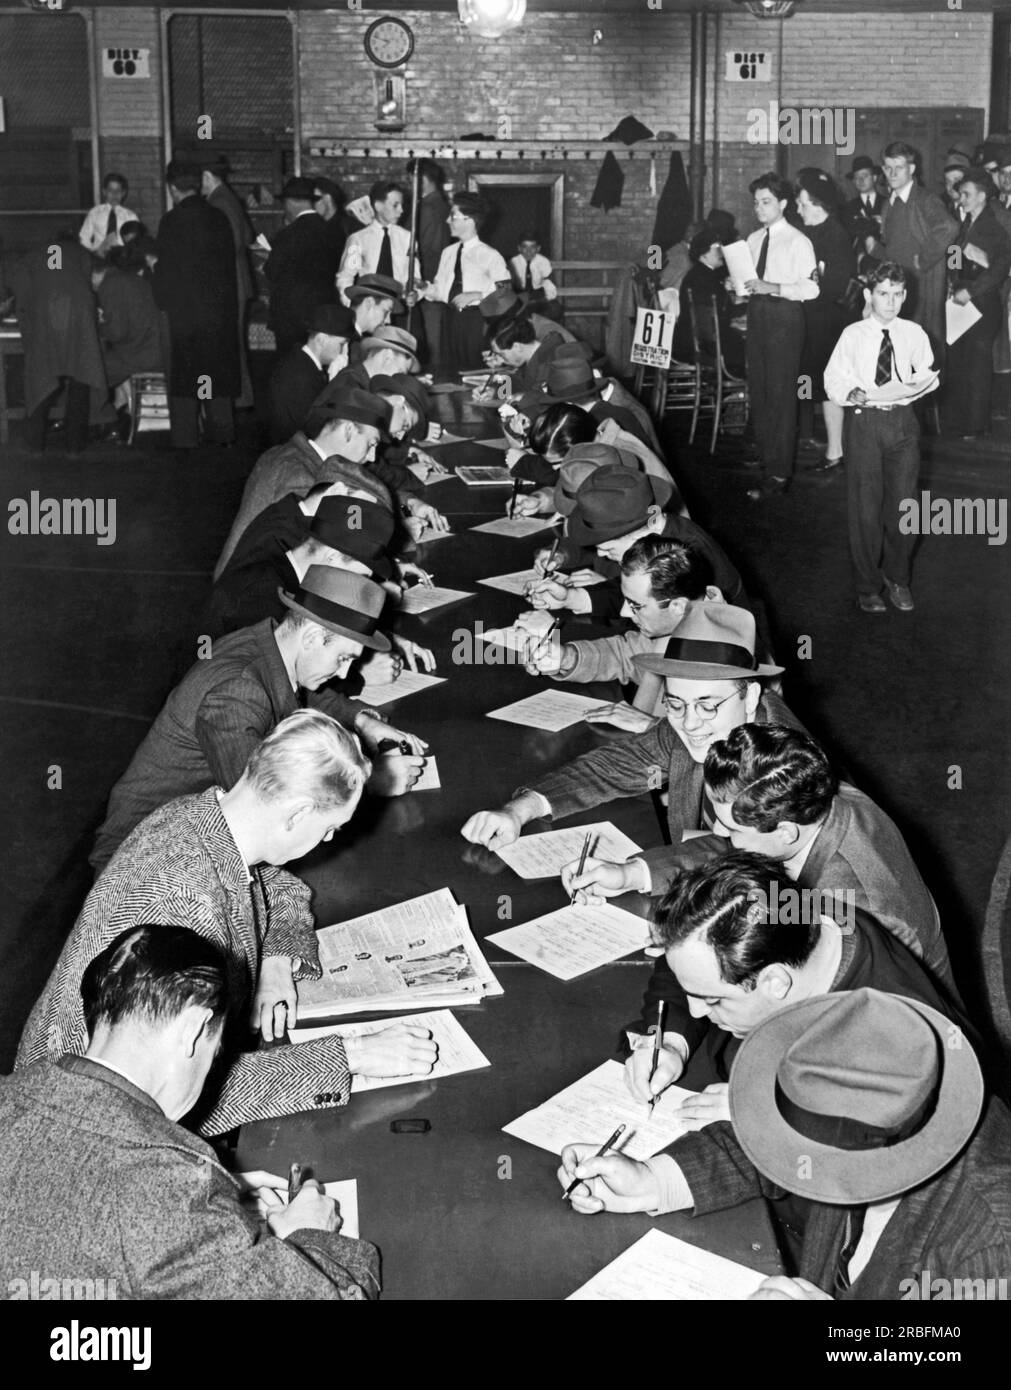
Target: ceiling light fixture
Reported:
point(490, 19)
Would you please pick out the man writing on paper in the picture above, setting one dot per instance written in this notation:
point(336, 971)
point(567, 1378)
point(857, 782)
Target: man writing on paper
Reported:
point(713, 682)
point(210, 862)
point(857, 1117)
point(126, 1194)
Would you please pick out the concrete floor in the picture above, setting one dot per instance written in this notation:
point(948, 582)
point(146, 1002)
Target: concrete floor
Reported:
point(93, 636)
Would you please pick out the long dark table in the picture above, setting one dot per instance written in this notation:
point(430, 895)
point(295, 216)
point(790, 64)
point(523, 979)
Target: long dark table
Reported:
point(465, 1211)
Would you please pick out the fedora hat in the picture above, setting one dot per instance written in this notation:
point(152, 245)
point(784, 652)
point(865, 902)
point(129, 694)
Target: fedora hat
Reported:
point(863, 161)
point(346, 603)
point(499, 303)
point(868, 1086)
point(299, 189)
point(389, 337)
point(357, 528)
point(332, 319)
point(400, 384)
point(350, 403)
point(614, 498)
point(570, 377)
point(713, 641)
point(378, 287)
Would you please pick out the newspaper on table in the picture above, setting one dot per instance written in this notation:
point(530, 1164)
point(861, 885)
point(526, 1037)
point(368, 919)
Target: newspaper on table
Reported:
point(416, 953)
point(457, 1050)
point(659, 1267)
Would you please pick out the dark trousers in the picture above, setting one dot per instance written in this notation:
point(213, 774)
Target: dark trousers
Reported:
point(184, 421)
point(882, 450)
point(775, 342)
point(78, 408)
point(969, 369)
point(464, 338)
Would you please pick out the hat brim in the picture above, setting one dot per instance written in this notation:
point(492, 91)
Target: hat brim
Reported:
point(367, 344)
point(844, 1176)
point(354, 292)
point(376, 642)
point(600, 535)
point(701, 670)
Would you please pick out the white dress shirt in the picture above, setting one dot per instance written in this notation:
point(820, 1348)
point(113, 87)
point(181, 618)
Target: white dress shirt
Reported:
point(94, 228)
point(790, 263)
point(902, 193)
point(361, 255)
point(481, 268)
point(540, 274)
point(854, 360)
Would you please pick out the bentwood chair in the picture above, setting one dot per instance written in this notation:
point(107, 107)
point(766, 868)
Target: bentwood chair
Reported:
point(720, 393)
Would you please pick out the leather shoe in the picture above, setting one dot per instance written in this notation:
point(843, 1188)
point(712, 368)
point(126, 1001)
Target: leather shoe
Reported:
point(900, 596)
point(871, 603)
point(769, 487)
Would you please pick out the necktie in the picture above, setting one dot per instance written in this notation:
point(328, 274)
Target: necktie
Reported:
point(886, 352)
point(384, 265)
point(707, 816)
point(854, 1230)
point(763, 256)
point(110, 226)
point(457, 286)
point(528, 283)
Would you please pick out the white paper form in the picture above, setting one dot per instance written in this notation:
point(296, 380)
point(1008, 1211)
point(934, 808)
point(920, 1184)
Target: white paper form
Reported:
point(516, 639)
point(548, 709)
point(457, 1051)
point(344, 1192)
point(958, 319)
point(429, 781)
point(485, 475)
point(575, 939)
point(896, 392)
point(419, 951)
point(495, 444)
point(519, 580)
point(545, 855)
point(422, 598)
point(592, 1108)
point(407, 683)
point(516, 526)
point(659, 1267)
point(740, 264)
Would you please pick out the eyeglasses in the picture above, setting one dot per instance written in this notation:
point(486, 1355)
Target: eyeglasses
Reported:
point(638, 607)
point(705, 710)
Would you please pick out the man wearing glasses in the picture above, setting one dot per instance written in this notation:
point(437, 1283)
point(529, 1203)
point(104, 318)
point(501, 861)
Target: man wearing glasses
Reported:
point(469, 271)
point(713, 682)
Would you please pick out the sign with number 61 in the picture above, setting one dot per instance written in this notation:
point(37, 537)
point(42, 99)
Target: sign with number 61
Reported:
point(651, 346)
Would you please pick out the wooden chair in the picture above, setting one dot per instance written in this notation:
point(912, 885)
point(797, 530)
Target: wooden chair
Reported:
point(149, 408)
point(717, 386)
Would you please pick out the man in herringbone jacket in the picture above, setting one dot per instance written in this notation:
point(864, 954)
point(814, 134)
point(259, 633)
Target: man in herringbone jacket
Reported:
point(209, 862)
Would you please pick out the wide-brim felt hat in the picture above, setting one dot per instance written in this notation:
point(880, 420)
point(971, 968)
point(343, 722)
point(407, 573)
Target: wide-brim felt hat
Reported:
point(351, 403)
point(358, 528)
point(377, 287)
point(854, 1097)
point(345, 603)
point(615, 498)
point(713, 641)
point(498, 303)
point(572, 379)
point(398, 339)
point(300, 189)
point(400, 384)
point(333, 319)
point(863, 161)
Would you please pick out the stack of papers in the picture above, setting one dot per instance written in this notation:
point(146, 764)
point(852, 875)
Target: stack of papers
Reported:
point(548, 709)
point(485, 475)
point(407, 683)
point(457, 1052)
point(420, 952)
point(545, 855)
point(575, 939)
point(659, 1267)
point(590, 1109)
point(422, 598)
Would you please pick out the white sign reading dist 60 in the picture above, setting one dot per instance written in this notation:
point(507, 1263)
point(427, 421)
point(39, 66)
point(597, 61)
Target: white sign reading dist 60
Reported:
point(653, 333)
point(126, 62)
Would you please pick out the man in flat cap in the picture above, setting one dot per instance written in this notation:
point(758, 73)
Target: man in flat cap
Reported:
point(302, 266)
point(302, 373)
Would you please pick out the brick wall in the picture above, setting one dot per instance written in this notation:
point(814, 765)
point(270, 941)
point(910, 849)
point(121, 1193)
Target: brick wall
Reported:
point(129, 111)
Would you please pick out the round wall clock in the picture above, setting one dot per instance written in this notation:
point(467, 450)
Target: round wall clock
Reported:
point(389, 42)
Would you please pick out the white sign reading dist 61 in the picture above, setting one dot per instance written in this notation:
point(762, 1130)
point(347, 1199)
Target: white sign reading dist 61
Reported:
point(654, 331)
point(126, 62)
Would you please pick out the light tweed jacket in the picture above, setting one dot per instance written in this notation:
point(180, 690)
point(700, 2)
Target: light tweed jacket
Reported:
point(99, 1185)
point(180, 867)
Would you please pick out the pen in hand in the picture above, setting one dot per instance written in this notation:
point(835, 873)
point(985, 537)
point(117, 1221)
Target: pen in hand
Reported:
point(567, 1194)
point(512, 499)
point(657, 1044)
point(582, 864)
point(294, 1180)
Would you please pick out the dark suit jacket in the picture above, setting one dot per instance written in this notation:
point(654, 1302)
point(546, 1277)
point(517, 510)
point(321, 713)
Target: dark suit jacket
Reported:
point(858, 851)
point(858, 222)
point(227, 201)
point(195, 285)
point(295, 383)
point(920, 242)
point(984, 282)
point(433, 232)
point(302, 272)
point(130, 331)
point(206, 730)
point(130, 1199)
point(180, 867)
